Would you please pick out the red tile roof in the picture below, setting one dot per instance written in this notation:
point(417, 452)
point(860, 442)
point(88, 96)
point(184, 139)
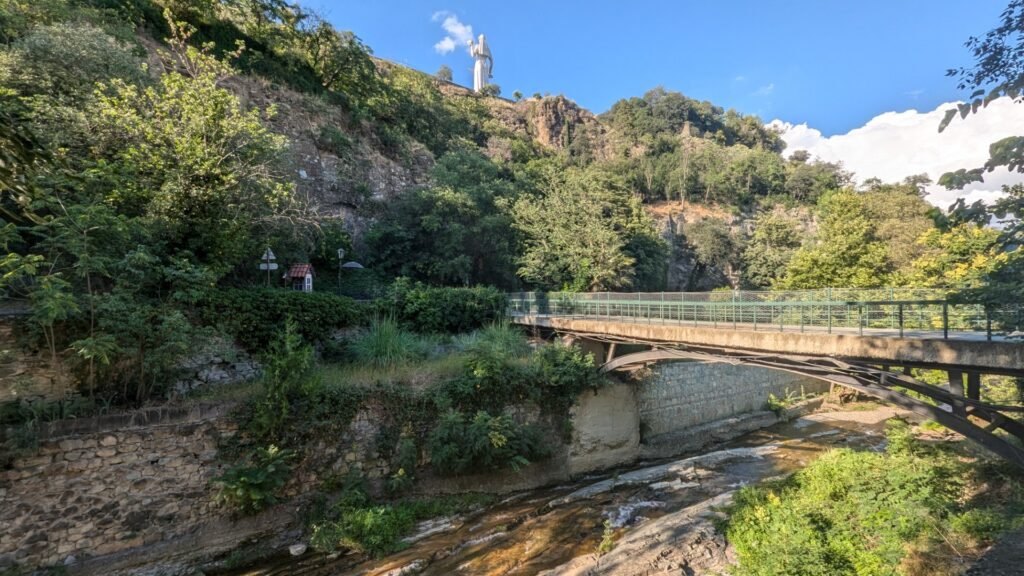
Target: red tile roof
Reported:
point(299, 271)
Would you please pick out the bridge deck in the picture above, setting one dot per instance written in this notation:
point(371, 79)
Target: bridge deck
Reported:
point(963, 349)
point(917, 333)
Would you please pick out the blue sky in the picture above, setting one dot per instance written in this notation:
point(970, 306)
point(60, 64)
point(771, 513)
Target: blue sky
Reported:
point(831, 64)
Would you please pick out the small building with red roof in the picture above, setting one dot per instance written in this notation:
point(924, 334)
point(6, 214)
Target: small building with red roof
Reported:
point(300, 276)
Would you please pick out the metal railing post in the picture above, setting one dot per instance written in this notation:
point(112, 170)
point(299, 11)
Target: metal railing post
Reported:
point(988, 324)
point(900, 308)
point(781, 317)
point(734, 310)
point(860, 319)
point(945, 320)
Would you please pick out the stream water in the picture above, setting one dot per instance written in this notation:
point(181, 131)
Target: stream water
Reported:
point(544, 530)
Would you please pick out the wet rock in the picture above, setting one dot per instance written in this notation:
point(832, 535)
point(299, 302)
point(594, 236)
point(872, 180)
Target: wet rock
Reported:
point(679, 468)
point(297, 549)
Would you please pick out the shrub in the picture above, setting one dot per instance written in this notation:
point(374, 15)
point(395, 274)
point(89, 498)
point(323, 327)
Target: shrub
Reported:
point(333, 140)
point(255, 316)
point(846, 513)
point(428, 309)
point(251, 487)
point(287, 363)
point(358, 523)
point(387, 344)
point(460, 444)
point(562, 372)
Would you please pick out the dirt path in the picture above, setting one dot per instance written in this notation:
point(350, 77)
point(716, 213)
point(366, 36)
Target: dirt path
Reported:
point(1006, 558)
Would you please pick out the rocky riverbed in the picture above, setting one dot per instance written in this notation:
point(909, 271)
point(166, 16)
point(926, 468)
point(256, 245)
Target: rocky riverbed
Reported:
point(653, 518)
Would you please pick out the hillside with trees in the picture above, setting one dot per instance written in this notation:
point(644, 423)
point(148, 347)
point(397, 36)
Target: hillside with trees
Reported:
point(191, 135)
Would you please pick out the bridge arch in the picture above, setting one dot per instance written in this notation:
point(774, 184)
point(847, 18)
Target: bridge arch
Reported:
point(882, 384)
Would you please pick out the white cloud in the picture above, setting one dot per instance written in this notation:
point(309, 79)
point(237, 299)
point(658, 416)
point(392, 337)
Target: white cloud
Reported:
point(458, 34)
point(765, 90)
point(894, 145)
point(445, 45)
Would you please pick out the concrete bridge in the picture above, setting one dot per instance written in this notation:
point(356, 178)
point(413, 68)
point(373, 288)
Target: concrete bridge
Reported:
point(849, 338)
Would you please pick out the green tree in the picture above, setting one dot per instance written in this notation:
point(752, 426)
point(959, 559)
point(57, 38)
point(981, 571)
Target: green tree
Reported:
point(807, 181)
point(456, 232)
point(444, 73)
point(572, 233)
point(998, 71)
point(187, 156)
point(713, 246)
point(961, 257)
point(341, 61)
point(846, 251)
point(769, 250)
point(900, 215)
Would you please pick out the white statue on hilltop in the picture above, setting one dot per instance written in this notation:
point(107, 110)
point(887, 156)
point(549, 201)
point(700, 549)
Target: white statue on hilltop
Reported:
point(484, 63)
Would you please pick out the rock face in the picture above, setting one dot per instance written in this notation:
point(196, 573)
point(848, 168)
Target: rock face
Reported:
point(219, 364)
point(27, 374)
point(333, 161)
point(556, 122)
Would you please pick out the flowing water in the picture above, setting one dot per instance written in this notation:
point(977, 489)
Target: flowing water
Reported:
point(544, 529)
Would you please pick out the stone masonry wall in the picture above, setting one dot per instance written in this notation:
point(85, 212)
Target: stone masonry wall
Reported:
point(109, 484)
point(681, 395)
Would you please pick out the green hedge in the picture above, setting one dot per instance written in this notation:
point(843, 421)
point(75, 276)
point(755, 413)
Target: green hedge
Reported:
point(430, 309)
point(255, 316)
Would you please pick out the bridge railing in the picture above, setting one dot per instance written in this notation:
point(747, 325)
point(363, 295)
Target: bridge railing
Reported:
point(894, 311)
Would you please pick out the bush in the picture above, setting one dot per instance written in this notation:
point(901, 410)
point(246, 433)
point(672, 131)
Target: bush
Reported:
point(333, 140)
point(846, 513)
point(287, 364)
point(255, 316)
point(459, 444)
point(428, 309)
point(251, 487)
point(358, 523)
point(562, 373)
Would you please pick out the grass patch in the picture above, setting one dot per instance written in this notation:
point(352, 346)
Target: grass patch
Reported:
point(419, 374)
point(907, 511)
point(387, 344)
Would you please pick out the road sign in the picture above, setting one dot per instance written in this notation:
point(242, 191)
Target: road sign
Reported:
point(267, 256)
point(270, 266)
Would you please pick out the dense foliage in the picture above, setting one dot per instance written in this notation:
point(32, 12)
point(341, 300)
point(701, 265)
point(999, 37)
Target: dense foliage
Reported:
point(462, 418)
point(252, 486)
point(463, 444)
point(429, 309)
point(853, 512)
point(255, 316)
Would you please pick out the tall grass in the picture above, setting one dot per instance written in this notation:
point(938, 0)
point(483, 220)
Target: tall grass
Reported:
point(386, 345)
point(498, 338)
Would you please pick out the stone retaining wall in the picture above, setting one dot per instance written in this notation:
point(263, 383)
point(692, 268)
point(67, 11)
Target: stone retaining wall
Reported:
point(682, 395)
point(109, 484)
